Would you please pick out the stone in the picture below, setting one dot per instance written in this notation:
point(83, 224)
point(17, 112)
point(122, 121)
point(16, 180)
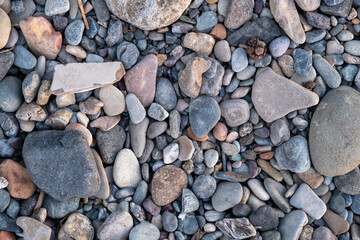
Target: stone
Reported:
point(204, 186)
point(257, 188)
point(323, 233)
point(236, 228)
point(339, 10)
point(349, 183)
point(116, 227)
point(81, 77)
point(59, 119)
point(238, 13)
point(76, 51)
point(105, 123)
point(74, 32)
point(148, 15)
point(30, 86)
point(114, 33)
point(31, 112)
point(5, 26)
point(8, 224)
point(306, 200)
point(190, 78)
point(293, 155)
point(56, 150)
point(286, 15)
point(204, 114)
point(113, 99)
point(199, 42)
point(167, 184)
point(222, 51)
point(23, 58)
point(44, 94)
point(292, 224)
point(7, 235)
point(141, 79)
point(104, 190)
point(19, 181)
point(186, 148)
point(353, 47)
point(33, 229)
point(337, 107)
point(157, 112)
point(126, 170)
point(135, 108)
point(138, 136)
point(211, 86)
point(206, 21)
point(262, 28)
point(264, 218)
point(171, 153)
point(333, 2)
point(331, 77)
point(91, 106)
point(10, 94)
point(144, 230)
point(272, 106)
point(336, 223)
point(5, 200)
point(226, 196)
point(277, 193)
point(279, 132)
point(239, 60)
point(3, 182)
point(59, 209)
point(54, 7)
point(6, 61)
point(189, 202)
point(110, 143)
point(219, 32)
point(311, 177)
point(41, 37)
point(308, 5)
point(65, 100)
point(169, 221)
point(165, 94)
point(235, 111)
point(302, 61)
point(318, 20)
point(78, 226)
point(279, 46)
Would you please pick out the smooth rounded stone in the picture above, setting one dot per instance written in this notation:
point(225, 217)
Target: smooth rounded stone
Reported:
point(199, 42)
point(349, 72)
point(101, 10)
point(238, 13)
point(19, 183)
point(190, 78)
point(5, 28)
point(78, 226)
point(30, 86)
point(59, 209)
point(293, 155)
point(308, 5)
point(167, 184)
point(277, 193)
point(55, 7)
point(337, 203)
point(333, 2)
point(229, 149)
point(272, 235)
point(113, 99)
point(349, 183)
point(258, 189)
point(204, 113)
point(135, 108)
point(144, 230)
point(156, 129)
point(141, 79)
point(340, 10)
point(126, 170)
point(247, 73)
point(105, 123)
point(270, 104)
point(206, 21)
point(171, 153)
point(186, 148)
point(23, 58)
point(279, 132)
point(239, 60)
point(4, 200)
point(127, 53)
point(315, 35)
point(327, 72)
point(226, 196)
point(286, 63)
point(165, 94)
point(188, 224)
point(33, 229)
point(76, 51)
point(189, 202)
point(317, 20)
point(44, 94)
point(65, 100)
point(6, 61)
point(55, 148)
point(222, 51)
point(138, 136)
point(211, 157)
point(157, 112)
point(345, 35)
point(323, 233)
point(10, 94)
point(353, 47)
point(336, 223)
point(301, 80)
point(104, 190)
point(3, 182)
point(116, 227)
point(235, 112)
point(279, 46)
point(286, 15)
point(340, 104)
point(241, 210)
point(292, 224)
point(355, 206)
point(264, 218)
point(302, 61)
point(148, 15)
point(236, 228)
point(204, 186)
point(74, 32)
point(114, 33)
point(306, 199)
point(169, 221)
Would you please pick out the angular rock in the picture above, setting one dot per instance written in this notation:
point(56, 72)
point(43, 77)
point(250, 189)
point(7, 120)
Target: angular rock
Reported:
point(189, 202)
point(148, 15)
point(141, 79)
point(126, 170)
point(70, 169)
point(286, 15)
point(81, 77)
point(33, 229)
point(41, 37)
point(199, 42)
point(331, 121)
point(239, 12)
point(271, 104)
point(236, 228)
point(235, 112)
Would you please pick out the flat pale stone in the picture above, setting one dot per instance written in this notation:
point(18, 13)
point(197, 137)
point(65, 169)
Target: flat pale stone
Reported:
point(286, 15)
point(126, 170)
point(275, 96)
point(150, 14)
point(81, 77)
point(33, 229)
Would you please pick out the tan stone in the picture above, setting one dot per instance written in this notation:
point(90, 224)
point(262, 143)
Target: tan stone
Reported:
point(286, 15)
point(31, 112)
point(20, 184)
point(311, 177)
point(270, 170)
point(308, 5)
point(33, 229)
point(59, 119)
point(199, 42)
point(65, 100)
point(190, 77)
point(91, 106)
point(76, 51)
point(44, 93)
point(220, 131)
point(104, 190)
point(336, 223)
point(113, 99)
point(5, 28)
point(78, 226)
point(186, 148)
point(105, 123)
point(81, 77)
point(41, 37)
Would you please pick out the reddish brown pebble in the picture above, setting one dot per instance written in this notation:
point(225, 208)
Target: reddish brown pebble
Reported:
point(311, 177)
point(167, 184)
point(5, 235)
point(20, 184)
point(220, 131)
point(267, 155)
point(192, 135)
point(218, 32)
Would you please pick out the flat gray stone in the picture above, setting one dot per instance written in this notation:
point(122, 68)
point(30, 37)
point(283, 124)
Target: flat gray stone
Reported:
point(331, 77)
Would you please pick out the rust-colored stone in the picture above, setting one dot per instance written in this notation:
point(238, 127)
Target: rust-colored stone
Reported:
point(311, 177)
point(5, 235)
point(192, 135)
point(218, 32)
point(267, 155)
point(220, 131)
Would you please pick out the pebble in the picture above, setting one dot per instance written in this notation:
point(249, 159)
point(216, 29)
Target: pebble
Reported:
point(318, 20)
point(23, 58)
point(144, 230)
point(10, 94)
point(5, 26)
point(222, 51)
point(238, 13)
point(292, 224)
point(277, 193)
point(165, 94)
point(5, 200)
point(33, 229)
point(126, 170)
point(6, 61)
point(236, 112)
point(157, 112)
point(340, 10)
point(135, 108)
point(30, 86)
point(302, 61)
point(199, 42)
point(226, 196)
point(308, 5)
point(127, 53)
point(171, 153)
point(337, 224)
point(53, 7)
point(169, 221)
point(239, 60)
point(311, 177)
point(204, 186)
point(323, 233)
point(189, 202)
point(279, 46)
point(272, 106)
point(116, 227)
point(113, 100)
point(186, 148)
point(59, 209)
point(237, 228)
point(264, 218)
point(329, 74)
point(78, 226)
point(258, 189)
point(138, 141)
point(206, 21)
point(347, 183)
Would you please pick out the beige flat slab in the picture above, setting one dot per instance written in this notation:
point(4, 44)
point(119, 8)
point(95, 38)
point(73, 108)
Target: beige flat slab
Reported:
point(81, 77)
